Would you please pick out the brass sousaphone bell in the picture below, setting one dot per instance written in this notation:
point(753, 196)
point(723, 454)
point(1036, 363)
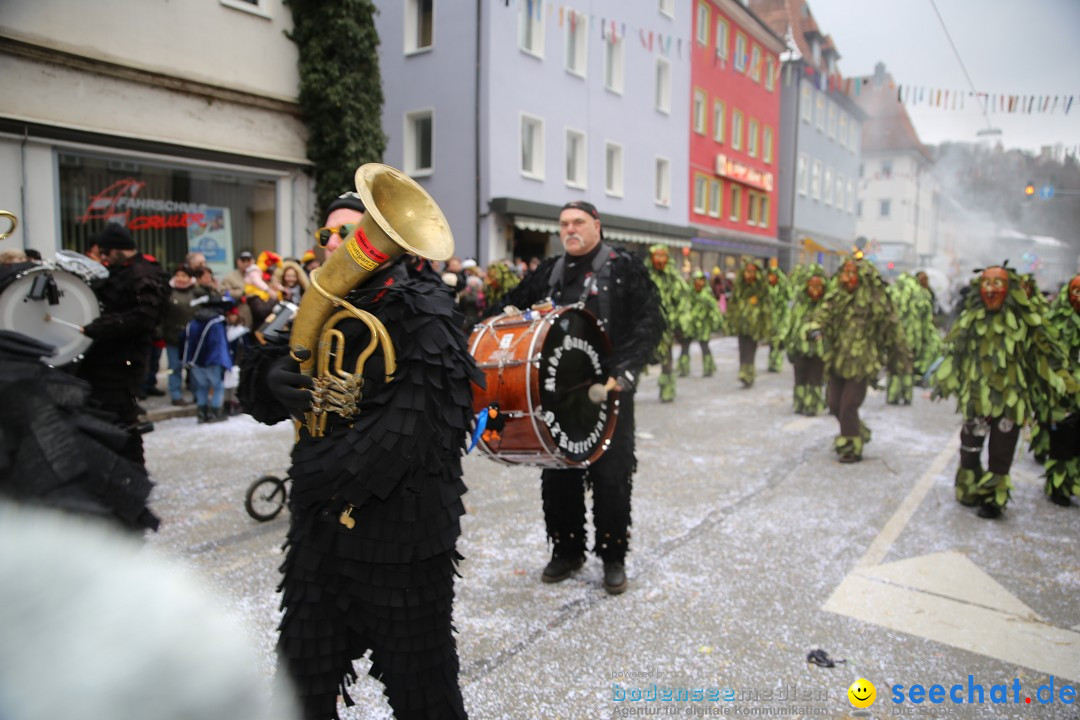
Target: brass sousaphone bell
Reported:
point(401, 217)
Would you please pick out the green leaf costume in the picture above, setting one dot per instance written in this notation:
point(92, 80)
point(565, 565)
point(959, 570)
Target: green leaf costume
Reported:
point(1062, 466)
point(1006, 364)
point(780, 301)
point(861, 330)
point(674, 296)
point(809, 398)
point(700, 316)
point(750, 315)
point(505, 280)
point(915, 308)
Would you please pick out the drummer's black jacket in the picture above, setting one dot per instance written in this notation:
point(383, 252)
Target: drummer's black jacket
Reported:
point(132, 303)
point(635, 323)
point(398, 461)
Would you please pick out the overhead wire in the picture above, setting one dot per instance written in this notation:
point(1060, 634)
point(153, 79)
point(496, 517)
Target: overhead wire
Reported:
point(956, 52)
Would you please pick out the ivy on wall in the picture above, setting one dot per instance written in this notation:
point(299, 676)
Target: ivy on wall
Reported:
point(341, 94)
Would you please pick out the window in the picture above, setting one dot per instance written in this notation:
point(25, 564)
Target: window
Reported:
point(613, 169)
point(770, 74)
point(819, 105)
point(850, 196)
point(419, 25)
point(667, 7)
point(716, 190)
point(419, 142)
point(718, 112)
point(885, 208)
point(701, 187)
point(828, 186)
point(752, 139)
point(703, 19)
point(663, 85)
point(736, 203)
point(832, 120)
point(577, 33)
point(839, 191)
point(755, 63)
point(614, 54)
point(751, 208)
point(852, 136)
point(532, 147)
point(255, 7)
point(766, 144)
point(575, 158)
point(740, 58)
point(722, 33)
point(886, 169)
point(700, 121)
point(531, 27)
point(763, 210)
point(736, 130)
point(800, 174)
point(663, 181)
point(841, 134)
point(806, 103)
point(815, 180)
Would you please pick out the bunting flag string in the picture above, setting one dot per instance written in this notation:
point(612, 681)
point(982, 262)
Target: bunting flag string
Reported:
point(956, 100)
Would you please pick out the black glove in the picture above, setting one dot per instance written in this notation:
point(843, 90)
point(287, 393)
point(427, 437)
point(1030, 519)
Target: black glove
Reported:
point(287, 383)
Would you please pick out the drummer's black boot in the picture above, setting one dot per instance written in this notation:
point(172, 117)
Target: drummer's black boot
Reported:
point(561, 568)
point(614, 578)
point(204, 413)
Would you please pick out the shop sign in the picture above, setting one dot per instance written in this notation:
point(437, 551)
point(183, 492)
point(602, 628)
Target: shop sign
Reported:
point(734, 170)
point(120, 202)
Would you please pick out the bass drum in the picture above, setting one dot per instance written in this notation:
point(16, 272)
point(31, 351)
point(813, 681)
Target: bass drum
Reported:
point(44, 302)
point(539, 367)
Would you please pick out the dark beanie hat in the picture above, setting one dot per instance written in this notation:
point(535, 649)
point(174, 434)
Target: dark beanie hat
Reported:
point(115, 237)
point(349, 200)
point(583, 206)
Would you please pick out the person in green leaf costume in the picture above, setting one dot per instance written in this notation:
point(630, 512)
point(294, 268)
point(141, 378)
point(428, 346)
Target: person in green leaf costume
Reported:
point(500, 280)
point(674, 295)
point(700, 319)
point(780, 301)
point(805, 354)
point(750, 317)
point(862, 334)
point(1062, 461)
point(915, 308)
point(1004, 364)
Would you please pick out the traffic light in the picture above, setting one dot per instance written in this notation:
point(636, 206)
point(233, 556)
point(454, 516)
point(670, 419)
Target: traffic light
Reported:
point(1029, 189)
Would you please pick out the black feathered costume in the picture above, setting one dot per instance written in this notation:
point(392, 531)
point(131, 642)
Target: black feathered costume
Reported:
point(57, 452)
point(617, 289)
point(385, 584)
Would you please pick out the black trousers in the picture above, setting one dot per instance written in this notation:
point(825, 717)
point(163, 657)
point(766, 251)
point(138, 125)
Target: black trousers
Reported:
point(808, 370)
point(686, 343)
point(844, 398)
point(747, 350)
point(116, 394)
point(610, 477)
point(1002, 446)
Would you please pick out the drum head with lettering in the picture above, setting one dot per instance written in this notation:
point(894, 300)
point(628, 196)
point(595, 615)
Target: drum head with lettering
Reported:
point(43, 303)
point(570, 362)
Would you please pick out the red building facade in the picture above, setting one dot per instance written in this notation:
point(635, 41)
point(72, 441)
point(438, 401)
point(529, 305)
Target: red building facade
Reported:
point(734, 127)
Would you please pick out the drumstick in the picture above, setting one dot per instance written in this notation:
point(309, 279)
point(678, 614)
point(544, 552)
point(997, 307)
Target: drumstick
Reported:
point(598, 393)
point(50, 318)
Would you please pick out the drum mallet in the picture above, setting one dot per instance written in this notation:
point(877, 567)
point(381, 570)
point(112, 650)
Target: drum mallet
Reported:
point(598, 393)
point(50, 318)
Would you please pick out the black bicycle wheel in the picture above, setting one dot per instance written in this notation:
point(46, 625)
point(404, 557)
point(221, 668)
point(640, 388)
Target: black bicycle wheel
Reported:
point(265, 498)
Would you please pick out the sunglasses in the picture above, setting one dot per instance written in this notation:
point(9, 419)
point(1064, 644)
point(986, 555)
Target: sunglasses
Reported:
point(323, 234)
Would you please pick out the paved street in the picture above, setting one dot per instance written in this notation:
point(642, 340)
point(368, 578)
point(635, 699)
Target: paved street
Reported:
point(751, 547)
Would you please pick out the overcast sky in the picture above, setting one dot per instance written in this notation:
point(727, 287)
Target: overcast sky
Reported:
point(1020, 48)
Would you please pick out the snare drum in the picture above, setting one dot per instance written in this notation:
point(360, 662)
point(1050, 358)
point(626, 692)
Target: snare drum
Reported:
point(30, 303)
point(539, 367)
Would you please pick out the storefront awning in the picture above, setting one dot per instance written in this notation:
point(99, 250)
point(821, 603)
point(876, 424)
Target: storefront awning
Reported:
point(611, 233)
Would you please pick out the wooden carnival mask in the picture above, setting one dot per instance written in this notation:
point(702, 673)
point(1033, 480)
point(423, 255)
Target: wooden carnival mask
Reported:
point(923, 279)
point(659, 259)
point(815, 287)
point(1074, 293)
point(749, 274)
point(994, 287)
point(773, 278)
point(699, 282)
point(849, 276)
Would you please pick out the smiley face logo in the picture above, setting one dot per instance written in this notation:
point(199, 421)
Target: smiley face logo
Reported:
point(862, 693)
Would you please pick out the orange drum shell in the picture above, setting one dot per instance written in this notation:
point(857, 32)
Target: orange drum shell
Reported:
point(512, 373)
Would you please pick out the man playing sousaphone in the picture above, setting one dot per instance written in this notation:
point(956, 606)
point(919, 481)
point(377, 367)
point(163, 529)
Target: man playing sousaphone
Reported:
point(376, 468)
point(615, 287)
